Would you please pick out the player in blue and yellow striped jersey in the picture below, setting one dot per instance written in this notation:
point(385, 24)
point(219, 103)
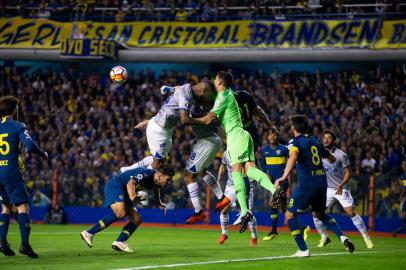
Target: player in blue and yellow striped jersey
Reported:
point(307, 152)
point(12, 187)
point(402, 199)
point(273, 161)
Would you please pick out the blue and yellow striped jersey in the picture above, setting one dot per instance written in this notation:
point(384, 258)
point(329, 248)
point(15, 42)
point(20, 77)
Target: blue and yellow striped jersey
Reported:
point(273, 160)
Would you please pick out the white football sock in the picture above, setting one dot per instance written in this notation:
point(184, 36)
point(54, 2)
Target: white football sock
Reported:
point(320, 227)
point(193, 189)
point(359, 223)
point(143, 163)
point(224, 223)
point(211, 181)
point(253, 227)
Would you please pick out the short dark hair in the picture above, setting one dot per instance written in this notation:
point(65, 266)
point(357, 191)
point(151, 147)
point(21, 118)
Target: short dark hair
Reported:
point(299, 122)
point(274, 130)
point(226, 78)
point(329, 131)
point(165, 169)
point(208, 85)
point(8, 104)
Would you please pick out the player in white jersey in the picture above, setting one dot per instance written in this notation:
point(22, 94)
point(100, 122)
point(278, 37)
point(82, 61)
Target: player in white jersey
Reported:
point(203, 153)
point(338, 174)
point(160, 127)
point(230, 193)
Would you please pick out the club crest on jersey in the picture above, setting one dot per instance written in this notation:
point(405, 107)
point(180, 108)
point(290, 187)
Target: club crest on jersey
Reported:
point(121, 197)
point(139, 176)
point(278, 152)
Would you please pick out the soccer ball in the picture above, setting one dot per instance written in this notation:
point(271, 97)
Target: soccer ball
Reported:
point(118, 74)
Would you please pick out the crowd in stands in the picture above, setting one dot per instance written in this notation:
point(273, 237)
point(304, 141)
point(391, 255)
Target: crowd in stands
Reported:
point(86, 123)
point(195, 10)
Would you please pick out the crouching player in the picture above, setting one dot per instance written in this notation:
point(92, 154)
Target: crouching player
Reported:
point(120, 194)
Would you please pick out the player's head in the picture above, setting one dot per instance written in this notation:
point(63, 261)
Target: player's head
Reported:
point(299, 124)
point(223, 80)
point(8, 104)
point(328, 138)
point(404, 164)
point(163, 175)
point(273, 136)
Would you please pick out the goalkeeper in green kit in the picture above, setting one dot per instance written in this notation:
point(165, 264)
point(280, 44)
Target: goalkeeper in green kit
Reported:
point(240, 147)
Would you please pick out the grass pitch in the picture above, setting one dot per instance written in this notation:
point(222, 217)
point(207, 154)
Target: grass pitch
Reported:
point(60, 247)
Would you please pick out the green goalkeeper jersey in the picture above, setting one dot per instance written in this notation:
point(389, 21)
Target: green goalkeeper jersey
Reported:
point(227, 111)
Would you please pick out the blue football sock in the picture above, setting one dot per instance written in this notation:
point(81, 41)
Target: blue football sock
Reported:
point(297, 233)
point(103, 223)
point(4, 222)
point(24, 224)
point(332, 225)
point(274, 219)
point(127, 231)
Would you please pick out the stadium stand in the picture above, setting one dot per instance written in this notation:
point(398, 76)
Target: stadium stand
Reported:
point(86, 123)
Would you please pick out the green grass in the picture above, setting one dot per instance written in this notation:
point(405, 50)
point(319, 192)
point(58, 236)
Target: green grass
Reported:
point(60, 247)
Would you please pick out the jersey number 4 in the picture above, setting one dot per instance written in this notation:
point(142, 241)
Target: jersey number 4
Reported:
point(4, 145)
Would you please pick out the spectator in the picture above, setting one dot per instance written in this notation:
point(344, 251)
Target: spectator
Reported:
point(181, 15)
point(40, 199)
point(368, 163)
point(43, 13)
point(55, 215)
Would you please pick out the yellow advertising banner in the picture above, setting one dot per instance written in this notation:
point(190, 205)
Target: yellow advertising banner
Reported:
point(362, 33)
point(392, 36)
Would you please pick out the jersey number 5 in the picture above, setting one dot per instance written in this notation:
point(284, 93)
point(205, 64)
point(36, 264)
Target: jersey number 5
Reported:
point(315, 155)
point(4, 145)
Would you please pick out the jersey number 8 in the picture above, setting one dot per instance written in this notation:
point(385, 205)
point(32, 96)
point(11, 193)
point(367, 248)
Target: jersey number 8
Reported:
point(315, 155)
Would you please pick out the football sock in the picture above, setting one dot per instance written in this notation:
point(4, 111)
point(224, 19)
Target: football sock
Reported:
point(193, 189)
point(103, 223)
point(261, 178)
point(143, 163)
point(274, 219)
point(24, 225)
point(4, 224)
point(239, 187)
point(127, 231)
point(253, 227)
point(211, 181)
point(321, 229)
point(297, 233)
point(224, 218)
point(332, 225)
point(359, 223)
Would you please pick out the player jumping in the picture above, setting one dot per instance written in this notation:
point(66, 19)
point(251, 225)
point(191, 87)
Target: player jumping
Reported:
point(307, 152)
point(240, 147)
point(338, 175)
point(230, 193)
point(120, 195)
point(12, 187)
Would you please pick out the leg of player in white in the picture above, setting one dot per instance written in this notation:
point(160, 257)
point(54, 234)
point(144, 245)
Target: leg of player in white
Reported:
point(202, 156)
point(346, 201)
point(159, 142)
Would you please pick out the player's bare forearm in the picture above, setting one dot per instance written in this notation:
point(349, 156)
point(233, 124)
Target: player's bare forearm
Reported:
point(290, 164)
point(207, 119)
point(185, 119)
point(260, 113)
point(346, 177)
point(157, 195)
point(131, 190)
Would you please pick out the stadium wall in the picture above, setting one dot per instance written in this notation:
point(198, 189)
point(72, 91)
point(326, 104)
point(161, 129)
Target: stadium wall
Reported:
point(88, 215)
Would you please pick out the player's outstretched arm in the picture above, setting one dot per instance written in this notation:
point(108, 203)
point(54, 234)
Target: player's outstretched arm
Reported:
point(260, 114)
point(142, 125)
point(158, 201)
point(221, 172)
point(205, 120)
point(290, 164)
point(29, 143)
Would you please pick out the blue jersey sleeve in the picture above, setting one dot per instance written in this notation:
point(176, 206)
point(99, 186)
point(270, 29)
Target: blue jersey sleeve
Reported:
point(26, 140)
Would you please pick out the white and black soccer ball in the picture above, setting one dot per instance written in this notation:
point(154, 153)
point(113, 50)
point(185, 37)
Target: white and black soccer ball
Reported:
point(118, 74)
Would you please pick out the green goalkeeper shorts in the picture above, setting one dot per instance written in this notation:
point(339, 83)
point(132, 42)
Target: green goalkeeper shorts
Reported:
point(240, 146)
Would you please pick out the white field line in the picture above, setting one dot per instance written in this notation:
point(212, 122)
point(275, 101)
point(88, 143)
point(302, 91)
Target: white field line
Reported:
point(61, 233)
point(241, 260)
